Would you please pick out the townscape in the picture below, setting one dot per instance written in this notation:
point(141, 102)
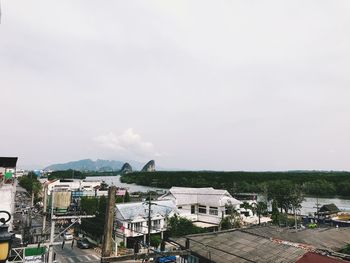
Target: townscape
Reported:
point(174, 131)
point(86, 220)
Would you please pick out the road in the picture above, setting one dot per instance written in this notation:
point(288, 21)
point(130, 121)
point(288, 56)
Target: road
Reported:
point(69, 255)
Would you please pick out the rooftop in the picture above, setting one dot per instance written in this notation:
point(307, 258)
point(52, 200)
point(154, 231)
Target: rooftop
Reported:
point(267, 244)
point(129, 211)
point(241, 247)
point(209, 195)
point(323, 238)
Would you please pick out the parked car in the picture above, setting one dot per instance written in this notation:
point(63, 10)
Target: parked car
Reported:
point(83, 243)
point(67, 236)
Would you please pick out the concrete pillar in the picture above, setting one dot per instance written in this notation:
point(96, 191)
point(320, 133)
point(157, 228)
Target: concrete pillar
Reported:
point(107, 248)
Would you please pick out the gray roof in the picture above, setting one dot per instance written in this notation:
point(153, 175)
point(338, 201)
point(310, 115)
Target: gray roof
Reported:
point(209, 195)
point(129, 211)
point(323, 238)
point(265, 244)
point(329, 208)
point(241, 247)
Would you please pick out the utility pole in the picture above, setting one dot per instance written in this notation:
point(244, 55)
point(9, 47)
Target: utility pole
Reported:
point(44, 208)
point(52, 234)
point(109, 219)
point(149, 222)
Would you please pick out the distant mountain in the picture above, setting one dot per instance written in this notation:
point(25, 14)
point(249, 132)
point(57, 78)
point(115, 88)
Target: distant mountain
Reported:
point(149, 167)
point(126, 169)
point(88, 165)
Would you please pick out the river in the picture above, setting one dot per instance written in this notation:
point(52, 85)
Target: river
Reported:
point(308, 205)
point(115, 180)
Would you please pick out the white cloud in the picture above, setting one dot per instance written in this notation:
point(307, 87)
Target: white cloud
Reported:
point(127, 143)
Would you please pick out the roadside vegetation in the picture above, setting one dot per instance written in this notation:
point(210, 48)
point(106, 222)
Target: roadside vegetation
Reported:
point(32, 185)
point(89, 205)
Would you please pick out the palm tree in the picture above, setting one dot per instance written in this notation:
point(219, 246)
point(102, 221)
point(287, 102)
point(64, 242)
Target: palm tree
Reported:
point(261, 209)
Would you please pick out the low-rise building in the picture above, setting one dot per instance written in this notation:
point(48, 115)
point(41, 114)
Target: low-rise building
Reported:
point(204, 206)
point(73, 185)
point(132, 219)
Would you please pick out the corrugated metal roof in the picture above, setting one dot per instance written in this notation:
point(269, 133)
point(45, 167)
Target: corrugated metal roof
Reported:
point(267, 244)
point(130, 211)
point(238, 246)
point(209, 196)
point(323, 238)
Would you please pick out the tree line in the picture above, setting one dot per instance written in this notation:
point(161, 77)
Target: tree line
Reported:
point(315, 183)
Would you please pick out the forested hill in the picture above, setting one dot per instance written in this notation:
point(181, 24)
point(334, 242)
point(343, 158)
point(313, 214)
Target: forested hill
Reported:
point(311, 182)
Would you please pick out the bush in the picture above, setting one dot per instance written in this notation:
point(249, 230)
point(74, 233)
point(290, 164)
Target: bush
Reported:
point(180, 226)
point(155, 241)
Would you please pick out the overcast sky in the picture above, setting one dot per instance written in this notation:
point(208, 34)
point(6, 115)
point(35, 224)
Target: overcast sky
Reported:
point(221, 85)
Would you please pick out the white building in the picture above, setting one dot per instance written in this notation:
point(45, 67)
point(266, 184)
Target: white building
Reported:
point(204, 206)
point(72, 185)
point(132, 218)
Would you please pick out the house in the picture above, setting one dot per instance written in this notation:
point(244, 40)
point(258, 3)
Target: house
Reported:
point(204, 206)
point(328, 210)
point(132, 220)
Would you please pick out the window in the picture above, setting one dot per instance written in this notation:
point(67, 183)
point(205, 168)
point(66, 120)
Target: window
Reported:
point(156, 224)
point(137, 227)
point(213, 211)
point(193, 209)
point(202, 209)
point(179, 207)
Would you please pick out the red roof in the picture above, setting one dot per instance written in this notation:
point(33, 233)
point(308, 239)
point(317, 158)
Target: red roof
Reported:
point(121, 192)
point(311, 257)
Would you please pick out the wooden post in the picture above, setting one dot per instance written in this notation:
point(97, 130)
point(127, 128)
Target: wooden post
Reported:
point(109, 219)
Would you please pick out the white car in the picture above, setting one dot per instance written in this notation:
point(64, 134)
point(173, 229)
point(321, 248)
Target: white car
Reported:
point(68, 236)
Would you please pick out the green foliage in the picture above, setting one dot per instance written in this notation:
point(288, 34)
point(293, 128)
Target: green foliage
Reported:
point(95, 206)
point(127, 197)
point(123, 199)
point(343, 188)
point(180, 226)
point(230, 222)
point(320, 187)
point(155, 240)
point(346, 250)
point(31, 183)
point(275, 213)
point(233, 220)
point(67, 174)
point(312, 182)
point(260, 209)
point(122, 244)
point(89, 205)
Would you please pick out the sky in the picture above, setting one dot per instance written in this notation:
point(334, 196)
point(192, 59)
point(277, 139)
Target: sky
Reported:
point(194, 85)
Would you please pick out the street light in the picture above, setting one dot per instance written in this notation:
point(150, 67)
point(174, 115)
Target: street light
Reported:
point(5, 238)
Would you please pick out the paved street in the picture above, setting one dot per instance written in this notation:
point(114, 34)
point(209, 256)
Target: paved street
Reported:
point(69, 255)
